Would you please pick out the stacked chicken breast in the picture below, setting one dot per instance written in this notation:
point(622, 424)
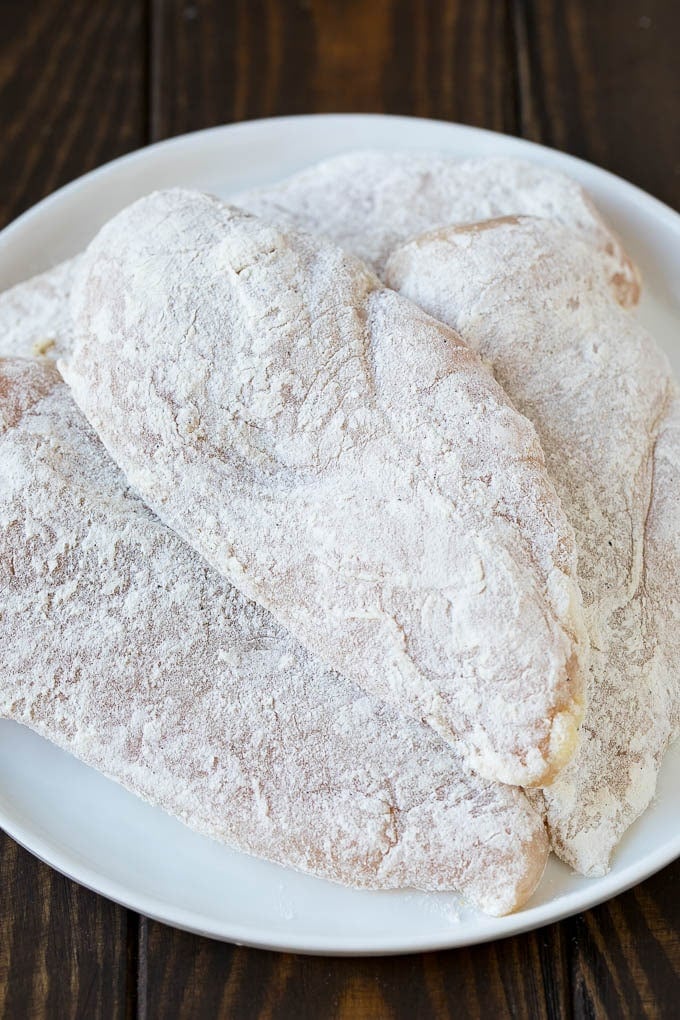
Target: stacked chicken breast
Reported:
point(342, 521)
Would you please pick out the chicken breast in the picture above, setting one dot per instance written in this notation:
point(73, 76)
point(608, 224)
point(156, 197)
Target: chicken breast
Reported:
point(531, 298)
point(345, 461)
point(121, 646)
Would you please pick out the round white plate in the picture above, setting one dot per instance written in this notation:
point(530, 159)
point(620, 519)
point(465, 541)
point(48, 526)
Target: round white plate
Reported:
point(92, 830)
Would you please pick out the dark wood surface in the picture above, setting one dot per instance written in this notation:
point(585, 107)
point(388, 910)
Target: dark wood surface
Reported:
point(86, 80)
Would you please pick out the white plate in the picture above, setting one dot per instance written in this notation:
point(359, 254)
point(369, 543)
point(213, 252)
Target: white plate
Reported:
point(92, 830)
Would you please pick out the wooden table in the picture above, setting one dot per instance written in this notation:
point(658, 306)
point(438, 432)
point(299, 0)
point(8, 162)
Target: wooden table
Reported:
point(86, 80)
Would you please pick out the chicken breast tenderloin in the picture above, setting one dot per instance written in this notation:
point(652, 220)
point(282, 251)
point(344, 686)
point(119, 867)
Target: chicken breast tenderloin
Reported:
point(369, 202)
point(345, 461)
point(122, 647)
point(531, 298)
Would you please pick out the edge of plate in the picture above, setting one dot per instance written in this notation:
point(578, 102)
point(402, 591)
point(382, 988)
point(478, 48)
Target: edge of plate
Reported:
point(555, 157)
point(525, 920)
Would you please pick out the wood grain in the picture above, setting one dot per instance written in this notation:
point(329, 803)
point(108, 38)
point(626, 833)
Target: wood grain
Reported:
point(624, 956)
point(216, 62)
point(63, 949)
point(72, 92)
point(194, 978)
point(602, 80)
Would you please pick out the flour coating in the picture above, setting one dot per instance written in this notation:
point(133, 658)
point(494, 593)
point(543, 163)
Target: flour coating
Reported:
point(345, 461)
point(128, 651)
point(531, 298)
point(370, 202)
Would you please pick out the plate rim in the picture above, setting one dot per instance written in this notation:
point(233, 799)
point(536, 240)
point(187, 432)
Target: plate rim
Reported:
point(525, 920)
point(653, 205)
point(328, 945)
